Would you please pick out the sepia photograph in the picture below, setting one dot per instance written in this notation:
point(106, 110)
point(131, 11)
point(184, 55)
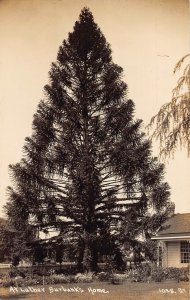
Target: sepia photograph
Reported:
point(95, 149)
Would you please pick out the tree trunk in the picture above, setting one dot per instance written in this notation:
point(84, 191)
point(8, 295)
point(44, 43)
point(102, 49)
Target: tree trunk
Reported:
point(81, 248)
point(90, 257)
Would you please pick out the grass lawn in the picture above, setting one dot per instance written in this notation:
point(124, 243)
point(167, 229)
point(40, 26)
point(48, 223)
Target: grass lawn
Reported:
point(81, 291)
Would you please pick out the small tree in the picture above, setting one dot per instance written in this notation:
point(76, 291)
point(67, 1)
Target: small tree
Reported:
point(87, 169)
point(15, 243)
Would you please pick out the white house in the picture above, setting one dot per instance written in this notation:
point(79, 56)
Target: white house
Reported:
point(174, 242)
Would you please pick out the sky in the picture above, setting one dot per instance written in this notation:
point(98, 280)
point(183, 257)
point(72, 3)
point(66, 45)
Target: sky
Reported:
point(147, 38)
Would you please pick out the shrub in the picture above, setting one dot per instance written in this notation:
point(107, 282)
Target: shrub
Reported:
point(7, 282)
point(140, 274)
point(85, 278)
point(56, 279)
point(158, 274)
point(146, 269)
point(137, 275)
point(178, 274)
point(118, 278)
point(13, 272)
point(19, 281)
point(104, 276)
point(2, 275)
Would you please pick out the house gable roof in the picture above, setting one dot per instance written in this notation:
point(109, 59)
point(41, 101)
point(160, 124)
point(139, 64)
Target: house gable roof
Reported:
point(177, 226)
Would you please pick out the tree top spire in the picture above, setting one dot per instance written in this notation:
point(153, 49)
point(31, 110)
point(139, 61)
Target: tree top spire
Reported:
point(86, 15)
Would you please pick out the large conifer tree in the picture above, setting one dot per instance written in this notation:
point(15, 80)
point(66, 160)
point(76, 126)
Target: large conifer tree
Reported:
point(87, 169)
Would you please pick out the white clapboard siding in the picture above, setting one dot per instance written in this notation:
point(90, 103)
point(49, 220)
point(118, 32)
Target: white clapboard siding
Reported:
point(173, 256)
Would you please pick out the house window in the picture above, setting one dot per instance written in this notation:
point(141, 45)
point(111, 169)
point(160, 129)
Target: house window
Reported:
point(185, 252)
point(160, 254)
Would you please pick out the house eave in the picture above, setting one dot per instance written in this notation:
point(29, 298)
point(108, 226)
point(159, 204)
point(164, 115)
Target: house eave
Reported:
point(170, 238)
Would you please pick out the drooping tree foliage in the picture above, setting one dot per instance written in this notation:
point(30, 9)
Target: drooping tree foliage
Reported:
point(172, 123)
point(87, 169)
